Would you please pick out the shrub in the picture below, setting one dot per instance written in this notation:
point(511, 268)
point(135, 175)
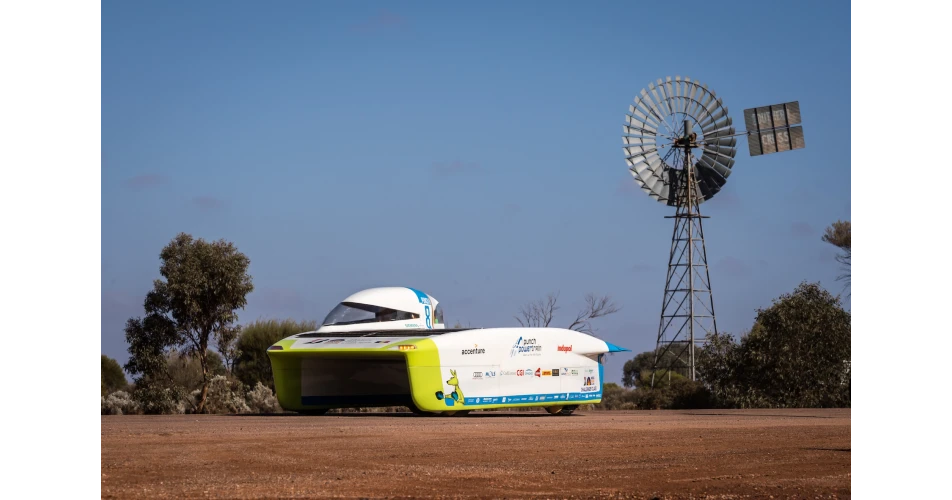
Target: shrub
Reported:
point(615, 397)
point(119, 403)
point(154, 399)
point(112, 378)
point(797, 354)
point(262, 400)
point(224, 396)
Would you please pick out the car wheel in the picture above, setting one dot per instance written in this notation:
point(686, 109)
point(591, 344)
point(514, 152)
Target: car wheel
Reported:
point(568, 410)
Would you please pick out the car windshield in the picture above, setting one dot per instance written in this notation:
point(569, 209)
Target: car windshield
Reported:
point(350, 313)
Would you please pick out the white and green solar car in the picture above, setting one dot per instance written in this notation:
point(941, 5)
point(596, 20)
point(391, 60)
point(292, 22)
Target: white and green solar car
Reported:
point(388, 347)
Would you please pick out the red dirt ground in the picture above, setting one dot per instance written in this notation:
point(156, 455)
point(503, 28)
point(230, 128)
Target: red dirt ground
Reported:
point(641, 454)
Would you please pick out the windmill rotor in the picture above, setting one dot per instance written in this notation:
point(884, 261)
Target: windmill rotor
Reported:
point(655, 137)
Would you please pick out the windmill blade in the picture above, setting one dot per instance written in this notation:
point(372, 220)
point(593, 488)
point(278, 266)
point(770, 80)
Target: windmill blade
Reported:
point(725, 130)
point(657, 111)
point(642, 115)
point(639, 140)
point(639, 150)
point(711, 162)
point(723, 141)
point(637, 131)
point(634, 123)
point(720, 150)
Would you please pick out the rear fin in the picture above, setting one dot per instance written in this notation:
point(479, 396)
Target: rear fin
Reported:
point(615, 348)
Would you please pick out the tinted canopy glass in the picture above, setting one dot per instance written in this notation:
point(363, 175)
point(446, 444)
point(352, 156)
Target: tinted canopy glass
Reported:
point(351, 313)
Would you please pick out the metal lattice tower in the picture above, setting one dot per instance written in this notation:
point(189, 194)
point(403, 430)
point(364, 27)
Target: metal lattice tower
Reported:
point(676, 117)
point(687, 311)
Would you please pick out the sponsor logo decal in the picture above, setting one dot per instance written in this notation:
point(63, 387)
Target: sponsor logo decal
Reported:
point(555, 372)
point(475, 350)
point(574, 372)
point(520, 373)
point(538, 372)
point(335, 341)
point(565, 348)
point(318, 341)
point(477, 375)
point(506, 373)
point(454, 397)
point(489, 374)
point(526, 346)
point(589, 385)
point(546, 373)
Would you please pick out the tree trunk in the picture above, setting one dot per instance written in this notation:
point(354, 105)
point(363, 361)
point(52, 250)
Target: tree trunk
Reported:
point(201, 402)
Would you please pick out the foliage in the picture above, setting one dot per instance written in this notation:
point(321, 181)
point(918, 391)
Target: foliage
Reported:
point(797, 355)
point(160, 399)
point(838, 235)
point(252, 365)
point(204, 284)
point(614, 397)
point(112, 378)
point(539, 314)
point(638, 370)
point(262, 400)
point(681, 393)
point(224, 396)
point(185, 370)
point(119, 403)
point(226, 339)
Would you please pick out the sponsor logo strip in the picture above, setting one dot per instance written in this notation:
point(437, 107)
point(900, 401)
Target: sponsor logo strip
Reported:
point(532, 398)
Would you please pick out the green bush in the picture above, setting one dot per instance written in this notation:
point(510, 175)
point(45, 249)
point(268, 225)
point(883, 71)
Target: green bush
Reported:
point(796, 355)
point(262, 400)
point(680, 393)
point(119, 403)
point(112, 378)
point(224, 396)
point(156, 399)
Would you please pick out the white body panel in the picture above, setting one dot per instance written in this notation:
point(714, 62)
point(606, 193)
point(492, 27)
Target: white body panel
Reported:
point(516, 365)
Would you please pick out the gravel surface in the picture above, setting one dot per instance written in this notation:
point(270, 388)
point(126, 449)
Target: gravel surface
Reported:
point(639, 454)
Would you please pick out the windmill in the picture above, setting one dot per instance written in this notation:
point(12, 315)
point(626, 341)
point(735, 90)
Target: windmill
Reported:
point(680, 146)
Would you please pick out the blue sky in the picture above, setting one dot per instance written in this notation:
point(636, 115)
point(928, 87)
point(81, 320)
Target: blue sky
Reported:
point(473, 153)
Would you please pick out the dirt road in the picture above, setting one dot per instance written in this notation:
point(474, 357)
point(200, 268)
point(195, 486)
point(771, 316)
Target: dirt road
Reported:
point(667, 454)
